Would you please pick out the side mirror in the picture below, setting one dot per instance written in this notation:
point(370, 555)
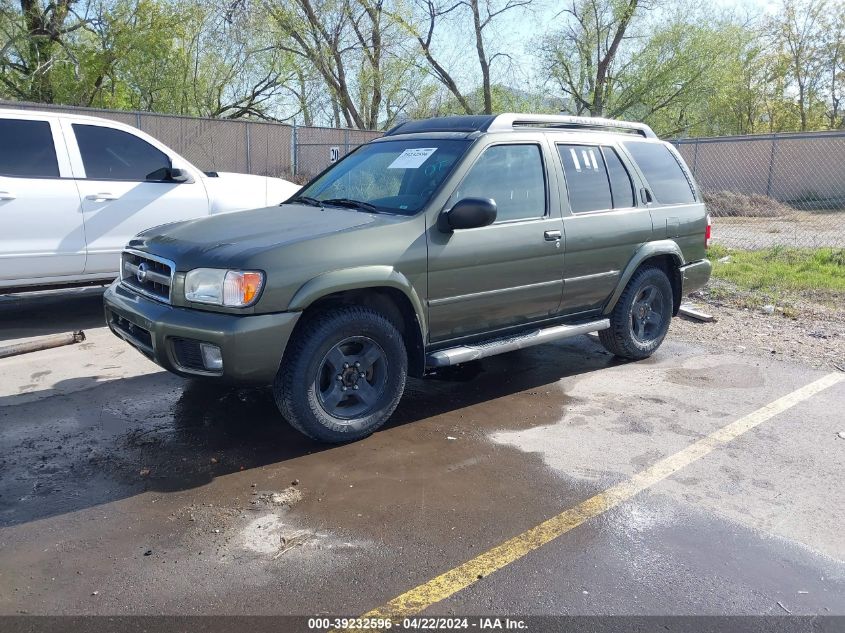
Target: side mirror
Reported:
point(170, 174)
point(469, 213)
point(178, 175)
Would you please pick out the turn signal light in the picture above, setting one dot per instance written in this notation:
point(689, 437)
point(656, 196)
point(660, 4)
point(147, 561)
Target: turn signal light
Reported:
point(241, 288)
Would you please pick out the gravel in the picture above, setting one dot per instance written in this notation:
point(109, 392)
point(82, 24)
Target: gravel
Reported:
point(806, 331)
point(801, 229)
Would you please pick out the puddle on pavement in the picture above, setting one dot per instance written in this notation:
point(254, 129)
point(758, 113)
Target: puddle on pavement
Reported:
point(159, 434)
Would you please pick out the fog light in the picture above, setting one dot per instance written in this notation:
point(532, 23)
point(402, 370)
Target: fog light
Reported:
point(212, 357)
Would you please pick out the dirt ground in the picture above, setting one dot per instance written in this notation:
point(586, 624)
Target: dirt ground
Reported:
point(801, 229)
point(805, 331)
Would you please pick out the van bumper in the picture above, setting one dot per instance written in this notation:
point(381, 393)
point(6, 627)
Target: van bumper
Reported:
point(251, 346)
point(695, 276)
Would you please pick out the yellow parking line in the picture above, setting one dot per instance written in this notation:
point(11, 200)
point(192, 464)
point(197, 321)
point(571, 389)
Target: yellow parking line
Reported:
point(447, 584)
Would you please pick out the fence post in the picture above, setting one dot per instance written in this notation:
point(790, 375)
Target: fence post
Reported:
point(248, 156)
point(138, 120)
point(771, 166)
point(695, 159)
point(293, 152)
point(345, 141)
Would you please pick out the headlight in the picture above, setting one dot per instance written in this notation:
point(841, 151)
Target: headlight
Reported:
point(235, 288)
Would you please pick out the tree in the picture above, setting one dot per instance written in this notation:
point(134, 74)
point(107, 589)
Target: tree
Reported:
point(320, 33)
point(625, 59)
point(429, 17)
point(581, 56)
point(679, 80)
point(483, 16)
point(434, 13)
point(834, 57)
point(35, 43)
point(797, 33)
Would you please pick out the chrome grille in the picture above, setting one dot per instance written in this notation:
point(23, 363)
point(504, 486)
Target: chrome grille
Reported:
point(147, 274)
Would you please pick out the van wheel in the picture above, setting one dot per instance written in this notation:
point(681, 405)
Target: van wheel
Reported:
point(641, 317)
point(342, 375)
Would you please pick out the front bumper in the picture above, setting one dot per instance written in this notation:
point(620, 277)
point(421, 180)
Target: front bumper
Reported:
point(251, 345)
point(695, 276)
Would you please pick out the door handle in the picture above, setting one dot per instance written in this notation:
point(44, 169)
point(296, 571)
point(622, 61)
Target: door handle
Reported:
point(7, 195)
point(101, 197)
point(552, 236)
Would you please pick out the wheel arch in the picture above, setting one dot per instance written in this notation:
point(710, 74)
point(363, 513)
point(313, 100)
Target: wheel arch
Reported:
point(664, 253)
point(382, 288)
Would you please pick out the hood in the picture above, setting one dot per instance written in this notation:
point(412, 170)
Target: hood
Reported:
point(228, 191)
point(230, 240)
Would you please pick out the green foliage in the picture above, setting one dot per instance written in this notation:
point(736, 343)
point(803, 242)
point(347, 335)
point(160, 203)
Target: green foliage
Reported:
point(697, 71)
point(782, 270)
point(187, 58)
point(686, 68)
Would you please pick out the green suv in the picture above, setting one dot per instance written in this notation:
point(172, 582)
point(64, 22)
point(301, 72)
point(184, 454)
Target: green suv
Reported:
point(445, 241)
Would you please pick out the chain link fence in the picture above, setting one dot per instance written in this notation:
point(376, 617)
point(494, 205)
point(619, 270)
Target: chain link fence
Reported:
point(784, 190)
point(763, 191)
point(318, 147)
point(293, 152)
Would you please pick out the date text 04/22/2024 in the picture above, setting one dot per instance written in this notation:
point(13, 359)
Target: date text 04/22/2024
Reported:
point(418, 624)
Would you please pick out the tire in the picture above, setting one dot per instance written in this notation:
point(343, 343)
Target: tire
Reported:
point(641, 317)
point(333, 403)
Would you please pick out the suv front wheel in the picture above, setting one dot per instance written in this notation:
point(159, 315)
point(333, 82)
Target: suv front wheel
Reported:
point(641, 317)
point(342, 375)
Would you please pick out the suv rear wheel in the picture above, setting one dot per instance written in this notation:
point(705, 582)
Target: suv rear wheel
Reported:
point(342, 375)
point(641, 317)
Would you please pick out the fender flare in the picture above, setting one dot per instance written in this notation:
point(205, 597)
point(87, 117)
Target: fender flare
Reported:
point(359, 278)
point(646, 251)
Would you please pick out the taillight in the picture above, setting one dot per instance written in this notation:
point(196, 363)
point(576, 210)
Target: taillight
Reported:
point(707, 232)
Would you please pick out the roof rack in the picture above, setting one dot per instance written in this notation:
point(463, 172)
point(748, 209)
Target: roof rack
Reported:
point(510, 120)
point(459, 123)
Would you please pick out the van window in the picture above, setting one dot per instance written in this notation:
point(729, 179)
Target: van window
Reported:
point(667, 180)
point(27, 149)
point(110, 154)
point(513, 176)
point(586, 178)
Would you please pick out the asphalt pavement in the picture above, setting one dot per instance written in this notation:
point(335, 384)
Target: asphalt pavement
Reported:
point(126, 490)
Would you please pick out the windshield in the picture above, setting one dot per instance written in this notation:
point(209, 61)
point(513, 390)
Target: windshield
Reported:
point(388, 176)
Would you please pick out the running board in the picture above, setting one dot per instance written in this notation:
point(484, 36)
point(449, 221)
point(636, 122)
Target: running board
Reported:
point(466, 353)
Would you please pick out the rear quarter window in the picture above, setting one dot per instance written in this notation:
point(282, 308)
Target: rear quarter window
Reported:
point(27, 149)
point(667, 180)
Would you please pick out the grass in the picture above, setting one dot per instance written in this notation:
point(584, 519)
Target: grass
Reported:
point(782, 271)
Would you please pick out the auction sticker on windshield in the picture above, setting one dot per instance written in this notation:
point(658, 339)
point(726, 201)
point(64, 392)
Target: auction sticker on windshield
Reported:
point(412, 158)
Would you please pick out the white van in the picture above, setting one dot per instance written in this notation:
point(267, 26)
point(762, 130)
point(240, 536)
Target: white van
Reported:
point(75, 189)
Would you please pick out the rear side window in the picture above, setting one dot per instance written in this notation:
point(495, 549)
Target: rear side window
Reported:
point(513, 176)
point(27, 149)
point(110, 154)
point(667, 180)
point(621, 187)
point(586, 178)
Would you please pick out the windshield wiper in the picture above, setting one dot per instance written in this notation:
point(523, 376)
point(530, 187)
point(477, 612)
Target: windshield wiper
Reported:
point(304, 200)
point(352, 204)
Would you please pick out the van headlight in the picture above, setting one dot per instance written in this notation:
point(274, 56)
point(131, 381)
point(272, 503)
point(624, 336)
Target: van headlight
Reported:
point(233, 288)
